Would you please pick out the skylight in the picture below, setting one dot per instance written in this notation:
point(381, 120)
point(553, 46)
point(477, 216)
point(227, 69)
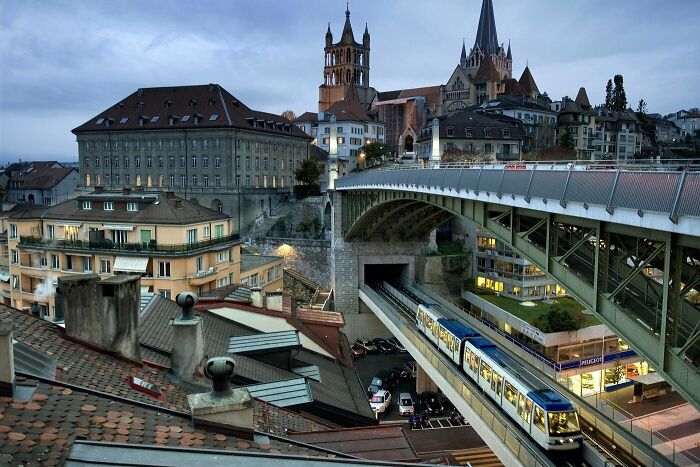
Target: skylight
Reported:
point(155, 119)
point(99, 121)
point(123, 120)
point(185, 118)
point(213, 117)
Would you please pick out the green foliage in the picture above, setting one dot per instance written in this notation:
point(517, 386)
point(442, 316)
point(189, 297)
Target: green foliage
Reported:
point(609, 95)
point(648, 128)
point(316, 224)
point(567, 140)
point(619, 97)
point(642, 107)
point(302, 191)
point(615, 374)
point(308, 172)
point(304, 226)
point(375, 151)
point(557, 320)
point(450, 248)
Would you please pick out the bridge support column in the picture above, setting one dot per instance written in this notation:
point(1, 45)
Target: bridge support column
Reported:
point(423, 382)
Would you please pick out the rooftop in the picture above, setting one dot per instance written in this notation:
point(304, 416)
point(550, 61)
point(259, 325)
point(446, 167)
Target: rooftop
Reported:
point(251, 262)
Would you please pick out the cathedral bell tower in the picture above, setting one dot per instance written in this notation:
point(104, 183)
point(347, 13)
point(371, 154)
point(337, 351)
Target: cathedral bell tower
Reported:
point(346, 61)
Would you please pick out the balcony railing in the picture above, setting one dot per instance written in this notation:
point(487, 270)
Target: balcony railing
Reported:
point(108, 245)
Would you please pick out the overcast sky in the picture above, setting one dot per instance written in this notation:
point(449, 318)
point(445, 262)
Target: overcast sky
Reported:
point(61, 63)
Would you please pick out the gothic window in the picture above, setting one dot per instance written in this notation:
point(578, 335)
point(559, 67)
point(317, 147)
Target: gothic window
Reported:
point(348, 57)
point(408, 144)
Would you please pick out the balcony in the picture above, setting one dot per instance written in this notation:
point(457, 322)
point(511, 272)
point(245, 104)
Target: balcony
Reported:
point(106, 245)
point(202, 277)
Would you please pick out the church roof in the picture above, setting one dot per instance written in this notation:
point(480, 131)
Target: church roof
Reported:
point(509, 56)
point(513, 87)
point(347, 37)
point(350, 108)
point(430, 93)
point(528, 82)
point(487, 71)
point(486, 37)
point(582, 99)
point(464, 52)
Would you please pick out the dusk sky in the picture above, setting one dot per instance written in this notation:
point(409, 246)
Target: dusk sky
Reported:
point(61, 63)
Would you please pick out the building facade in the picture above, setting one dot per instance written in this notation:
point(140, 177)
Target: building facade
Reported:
point(43, 182)
point(345, 62)
point(688, 122)
point(198, 141)
point(172, 243)
point(264, 271)
point(539, 122)
point(477, 135)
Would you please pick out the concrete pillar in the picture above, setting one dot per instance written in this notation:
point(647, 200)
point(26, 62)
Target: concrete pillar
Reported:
point(435, 154)
point(7, 362)
point(423, 382)
point(187, 356)
point(332, 155)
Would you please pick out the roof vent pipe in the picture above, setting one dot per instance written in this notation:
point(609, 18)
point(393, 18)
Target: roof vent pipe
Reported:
point(187, 301)
point(219, 370)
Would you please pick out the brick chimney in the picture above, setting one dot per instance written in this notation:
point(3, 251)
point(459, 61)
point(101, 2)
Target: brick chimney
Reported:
point(104, 314)
point(273, 301)
point(187, 356)
point(256, 297)
point(223, 407)
point(7, 362)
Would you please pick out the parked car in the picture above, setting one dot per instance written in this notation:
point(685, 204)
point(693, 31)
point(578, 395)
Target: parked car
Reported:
point(380, 402)
point(411, 367)
point(406, 405)
point(397, 345)
point(383, 345)
point(431, 403)
point(357, 351)
point(384, 380)
point(368, 345)
point(401, 374)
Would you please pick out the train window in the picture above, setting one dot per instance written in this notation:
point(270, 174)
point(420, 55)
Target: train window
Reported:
point(486, 371)
point(443, 335)
point(538, 420)
point(496, 383)
point(467, 354)
point(562, 423)
point(528, 410)
point(521, 404)
point(511, 393)
point(475, 364)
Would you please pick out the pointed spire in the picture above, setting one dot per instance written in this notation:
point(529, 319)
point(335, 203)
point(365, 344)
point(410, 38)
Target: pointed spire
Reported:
point(347, 37)
point(464, 51)
point(328, 32)
point(582, 99)
point(366, 31)
point(347, 10)
point(528, 82)
point(486, 37)
point(509, 56)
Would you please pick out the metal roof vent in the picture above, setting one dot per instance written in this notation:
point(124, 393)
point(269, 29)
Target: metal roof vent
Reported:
point(219, 370)
point(187, 301)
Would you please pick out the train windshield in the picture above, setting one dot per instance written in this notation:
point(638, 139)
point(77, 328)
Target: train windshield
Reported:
point(563, 423)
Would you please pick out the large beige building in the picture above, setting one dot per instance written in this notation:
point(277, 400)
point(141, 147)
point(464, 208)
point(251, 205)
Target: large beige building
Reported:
point(172, 243)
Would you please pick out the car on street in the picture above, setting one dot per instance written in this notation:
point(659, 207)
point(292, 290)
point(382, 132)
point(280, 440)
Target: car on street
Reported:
point(356, 351)
point(383, 345)
point(431, 403)
point(380, 402)
point(383, 380)
point(411, 368)
point(397, 345)
point(401, 374)
point(406, 405)
point(368, 345)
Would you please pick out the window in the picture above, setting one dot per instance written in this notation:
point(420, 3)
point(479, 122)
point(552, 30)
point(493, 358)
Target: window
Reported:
point(13, 230)
point(238, 162)
point(54, 262)
point(194, 162)
point(192, 236)
point(222, 282)
point(247, 162)
point(87, 205)
point(106, 161)
point(119, 237)
point(183, 181)
point(200, 264)
point(538, 419)
point(217, 162)
point(205, 162)
point(137, 161)
point(163, 268)
point(486, 371)
point(217, 180)
point(126, 162)
point(165, 293)
point(149, 161)
point(171, 181)
point(182, 162)
point(15, 282)
point(108, 206)
point(171, 161)
point(205, 181)
point(15, 256)
point(562, 423)
point(238, 180)
point(160, 162)
point(87, 264)
point(116, 162)
point(105, 266)
point(194, 181)
point(257, 163)
point(132, 207)
point(207, 231)
point(220, 257)
point(219, 231)
point(69, 263)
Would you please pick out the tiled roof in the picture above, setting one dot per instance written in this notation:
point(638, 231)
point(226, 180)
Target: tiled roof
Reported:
point(430, 93)
point(318, 154)
point(40, 177)
point(350, 108)
point(307, 117)
point(582, 99)
point(487, 70)
point(188, 107)
point(528, 82)
point(513, 87)
point(486, 36)
point(250, 262)
point(157, 208)
point(479, 124)
point(332, 318)
point(43, 429)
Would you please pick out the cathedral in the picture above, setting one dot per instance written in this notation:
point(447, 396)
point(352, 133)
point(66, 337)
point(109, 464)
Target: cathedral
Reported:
point(346, 62)
point(486, 71)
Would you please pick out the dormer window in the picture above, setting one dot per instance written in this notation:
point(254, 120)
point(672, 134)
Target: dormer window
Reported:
point(212, 102)
point(168, 103)
point(196, 119)
point(123, 120)
point(132, 207)
point(119, 105)
point(469, 131)
point(487, 131)
point(193, 102)
point(506, 133)
point(450, 131)
point(87, 205)
point(213, 117)
point(108, 206)
point(139, 104)
point(250, 120)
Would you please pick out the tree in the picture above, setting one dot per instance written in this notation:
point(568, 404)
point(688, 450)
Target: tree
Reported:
point(555, 153)
point(567, 140)
point(461, 155)
point(376, 151)
point(289, 115)
point(308, 174)
point(557, 320)
point(642, 107)
point(619, 98)
point(609, 95)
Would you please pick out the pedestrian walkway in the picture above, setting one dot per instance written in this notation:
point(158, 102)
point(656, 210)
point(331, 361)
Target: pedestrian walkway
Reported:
point(478, 457)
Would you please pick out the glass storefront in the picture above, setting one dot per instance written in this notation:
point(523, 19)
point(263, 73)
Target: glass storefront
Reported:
point(608, 379)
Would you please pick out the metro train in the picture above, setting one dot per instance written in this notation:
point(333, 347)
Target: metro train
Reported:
point(547, 416)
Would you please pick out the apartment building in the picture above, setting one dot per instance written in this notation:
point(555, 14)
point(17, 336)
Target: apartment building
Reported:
point(172, 243)
point(264, 271)
point(200, 142)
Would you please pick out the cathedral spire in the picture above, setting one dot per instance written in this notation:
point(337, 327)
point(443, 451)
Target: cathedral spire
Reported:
point(347, 36)
point(486, 37)
point(509, 56)
point(463, 57)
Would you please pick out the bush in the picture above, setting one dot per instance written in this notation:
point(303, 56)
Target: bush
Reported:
point(303, 191)
point(557, 320)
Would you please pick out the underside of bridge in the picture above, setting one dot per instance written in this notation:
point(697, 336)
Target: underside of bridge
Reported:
point(637, 281)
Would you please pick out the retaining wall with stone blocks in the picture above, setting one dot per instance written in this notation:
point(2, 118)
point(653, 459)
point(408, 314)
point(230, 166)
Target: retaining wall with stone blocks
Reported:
point(308, 257)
